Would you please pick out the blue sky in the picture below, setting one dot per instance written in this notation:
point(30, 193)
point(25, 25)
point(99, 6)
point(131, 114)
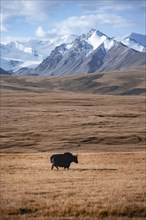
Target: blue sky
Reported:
point(45, 19)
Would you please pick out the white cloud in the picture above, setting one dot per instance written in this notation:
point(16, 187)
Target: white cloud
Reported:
point(40, 32)
point(94, 13)
point(84, 23)
point(32, 10)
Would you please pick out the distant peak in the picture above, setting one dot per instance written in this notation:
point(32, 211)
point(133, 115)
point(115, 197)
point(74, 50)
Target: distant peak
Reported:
point(135, 34)
point(92, 31)
point(12, 44)
point(99, 33)
point(139, 38)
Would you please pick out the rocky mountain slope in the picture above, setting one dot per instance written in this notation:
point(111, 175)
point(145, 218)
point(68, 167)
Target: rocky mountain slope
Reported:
point(94, 52)
point(88, 53)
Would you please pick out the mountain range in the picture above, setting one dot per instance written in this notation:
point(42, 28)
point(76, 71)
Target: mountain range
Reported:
point(88, 53)
point(16, 54)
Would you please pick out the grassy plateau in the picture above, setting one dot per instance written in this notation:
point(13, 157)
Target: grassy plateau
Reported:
point(107, 132)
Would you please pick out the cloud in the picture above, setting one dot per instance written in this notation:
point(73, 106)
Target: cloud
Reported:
point(84, 23)
point(94, 13)
point(40, 32)
point(32, 10)
point(35, 10)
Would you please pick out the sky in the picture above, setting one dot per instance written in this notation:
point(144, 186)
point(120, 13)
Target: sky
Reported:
point(48, 19)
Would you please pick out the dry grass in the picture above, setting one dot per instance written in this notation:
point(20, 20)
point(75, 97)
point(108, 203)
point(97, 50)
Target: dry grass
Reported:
point(32, 122)
point(108, 185)
point(108, 132)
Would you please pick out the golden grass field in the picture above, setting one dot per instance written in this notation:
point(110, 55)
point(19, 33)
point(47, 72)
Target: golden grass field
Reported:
point(107, 132)
point(110, 185)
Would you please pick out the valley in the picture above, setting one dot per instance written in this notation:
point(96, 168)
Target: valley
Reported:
point(81, 114)
point(60, 121)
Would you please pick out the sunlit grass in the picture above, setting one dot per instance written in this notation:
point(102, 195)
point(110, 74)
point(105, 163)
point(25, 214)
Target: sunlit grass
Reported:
point(101, 185)
point(107, 132)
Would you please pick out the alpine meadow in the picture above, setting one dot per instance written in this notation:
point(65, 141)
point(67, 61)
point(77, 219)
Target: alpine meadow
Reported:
point(106, 131)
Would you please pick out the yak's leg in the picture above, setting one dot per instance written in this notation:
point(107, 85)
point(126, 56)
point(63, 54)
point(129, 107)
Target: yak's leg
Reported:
point(54, 166)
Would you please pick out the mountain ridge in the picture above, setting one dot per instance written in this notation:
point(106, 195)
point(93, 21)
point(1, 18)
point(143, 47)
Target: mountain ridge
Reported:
point(78, 53)
point(88, 56)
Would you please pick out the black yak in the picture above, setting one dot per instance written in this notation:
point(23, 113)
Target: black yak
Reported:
point(63, 160)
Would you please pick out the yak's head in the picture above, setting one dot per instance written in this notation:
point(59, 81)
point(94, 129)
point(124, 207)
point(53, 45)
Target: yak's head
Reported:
point(75, 159)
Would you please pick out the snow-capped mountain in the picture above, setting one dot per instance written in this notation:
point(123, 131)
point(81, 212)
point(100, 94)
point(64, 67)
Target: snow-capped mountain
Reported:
point(16, 54)
point(69, 58)
point(96, 38)
point(89, 53)
point(135, 41)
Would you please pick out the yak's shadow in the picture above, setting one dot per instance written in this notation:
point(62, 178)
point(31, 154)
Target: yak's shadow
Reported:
point(93, 169)
point(86, 169)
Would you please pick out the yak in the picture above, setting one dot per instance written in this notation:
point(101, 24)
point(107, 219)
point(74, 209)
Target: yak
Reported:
point(63, 160)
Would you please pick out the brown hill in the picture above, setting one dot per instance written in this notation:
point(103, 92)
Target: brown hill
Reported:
point(122, 82)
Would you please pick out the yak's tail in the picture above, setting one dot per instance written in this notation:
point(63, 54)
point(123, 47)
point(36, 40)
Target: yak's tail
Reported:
point(52, 158)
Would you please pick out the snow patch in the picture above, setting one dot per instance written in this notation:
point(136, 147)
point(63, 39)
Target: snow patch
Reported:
point(68, 46)
point(108, 43)
point(96, 40)
point(132, 44)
